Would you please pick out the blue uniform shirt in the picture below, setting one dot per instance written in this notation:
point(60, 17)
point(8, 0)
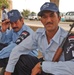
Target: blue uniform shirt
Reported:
point(39, 40)
point(10, 37)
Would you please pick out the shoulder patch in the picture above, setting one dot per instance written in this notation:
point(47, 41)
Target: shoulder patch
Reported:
point(71, 38)
point(69, 48)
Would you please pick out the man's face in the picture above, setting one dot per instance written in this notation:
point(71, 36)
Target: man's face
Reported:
point(2, 8)
point(50, 20)
point(16, 26)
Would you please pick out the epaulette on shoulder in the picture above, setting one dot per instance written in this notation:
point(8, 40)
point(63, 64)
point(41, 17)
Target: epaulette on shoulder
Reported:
point(63, 33)
point(40, 30)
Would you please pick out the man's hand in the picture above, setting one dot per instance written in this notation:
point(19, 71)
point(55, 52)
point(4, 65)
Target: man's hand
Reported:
point(7, 73)
point(5, 25)
point(36, 69)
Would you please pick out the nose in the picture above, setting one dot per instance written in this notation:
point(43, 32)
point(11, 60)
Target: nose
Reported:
point(48, 19)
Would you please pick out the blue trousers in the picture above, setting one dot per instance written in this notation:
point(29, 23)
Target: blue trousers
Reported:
point(25, 65)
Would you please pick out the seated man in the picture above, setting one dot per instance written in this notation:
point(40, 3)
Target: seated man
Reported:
point(48, 40)
point(9, 38)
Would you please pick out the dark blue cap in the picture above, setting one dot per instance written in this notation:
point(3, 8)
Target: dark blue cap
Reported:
point(14, 15)
point(48, 6)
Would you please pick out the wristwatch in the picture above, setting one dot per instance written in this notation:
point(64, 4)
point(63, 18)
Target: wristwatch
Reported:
point(0, 28)
point(41, 64)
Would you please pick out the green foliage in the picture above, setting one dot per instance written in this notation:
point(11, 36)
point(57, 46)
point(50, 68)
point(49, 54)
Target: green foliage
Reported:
point(26, 13)
point(33, 13)
point(4, 2)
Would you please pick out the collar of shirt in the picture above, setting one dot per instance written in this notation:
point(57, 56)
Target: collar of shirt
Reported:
point(56, 38)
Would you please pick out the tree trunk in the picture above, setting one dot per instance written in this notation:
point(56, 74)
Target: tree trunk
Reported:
point(56, 2)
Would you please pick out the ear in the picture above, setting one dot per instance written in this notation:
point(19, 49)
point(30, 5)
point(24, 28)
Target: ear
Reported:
point(59, 18)
point(22, 19)
point(40, 19)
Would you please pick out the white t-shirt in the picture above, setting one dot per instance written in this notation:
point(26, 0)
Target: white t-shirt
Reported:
point(4, 14)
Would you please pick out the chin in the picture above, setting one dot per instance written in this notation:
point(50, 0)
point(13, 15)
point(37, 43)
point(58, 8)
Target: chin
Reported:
point(16, 30)
point(50, 30)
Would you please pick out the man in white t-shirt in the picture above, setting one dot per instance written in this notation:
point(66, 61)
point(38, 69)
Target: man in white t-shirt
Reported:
point(4, 12)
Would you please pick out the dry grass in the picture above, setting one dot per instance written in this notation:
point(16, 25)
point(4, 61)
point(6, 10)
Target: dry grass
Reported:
point(34, 27)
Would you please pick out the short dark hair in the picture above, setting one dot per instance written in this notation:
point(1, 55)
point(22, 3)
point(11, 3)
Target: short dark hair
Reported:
point(58, 13)
point(4, 6)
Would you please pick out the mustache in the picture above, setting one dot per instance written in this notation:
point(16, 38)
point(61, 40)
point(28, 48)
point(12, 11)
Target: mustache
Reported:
point(15, 27)
point(48, 23)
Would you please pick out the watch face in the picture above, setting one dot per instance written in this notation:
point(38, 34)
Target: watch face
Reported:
point(41, 64)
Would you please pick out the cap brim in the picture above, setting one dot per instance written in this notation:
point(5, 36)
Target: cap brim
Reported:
point(13, 19)
point(41, 12)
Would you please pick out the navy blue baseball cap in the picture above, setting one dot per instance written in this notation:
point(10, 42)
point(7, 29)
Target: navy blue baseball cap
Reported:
point(48, 6)
point(14, 15)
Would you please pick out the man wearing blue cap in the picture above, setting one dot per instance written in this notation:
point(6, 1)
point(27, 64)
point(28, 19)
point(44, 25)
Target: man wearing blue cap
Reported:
point(47, 39)
point(10, 38)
